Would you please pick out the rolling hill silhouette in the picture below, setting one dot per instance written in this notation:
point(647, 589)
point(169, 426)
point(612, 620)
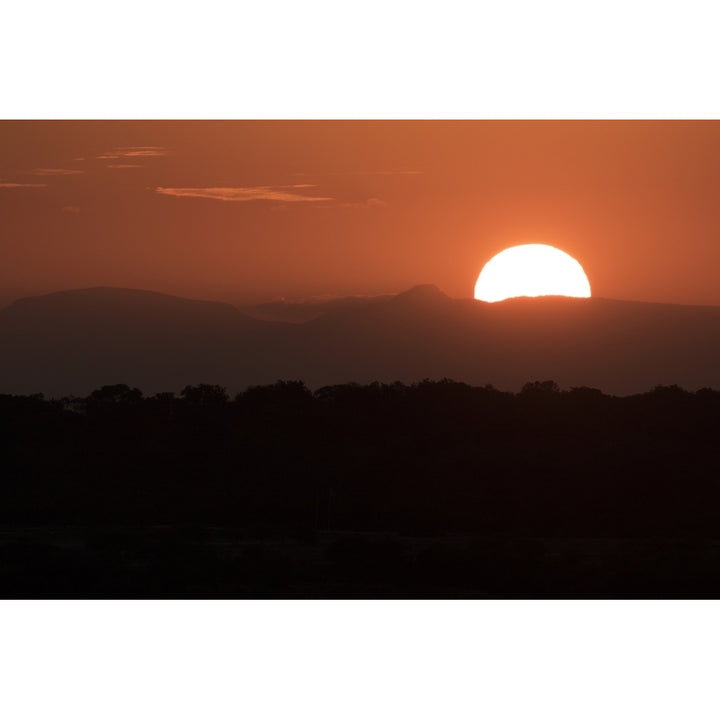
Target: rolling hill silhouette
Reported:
point(74, 341)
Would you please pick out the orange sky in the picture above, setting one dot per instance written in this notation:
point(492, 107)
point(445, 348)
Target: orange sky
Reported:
point(251, 211)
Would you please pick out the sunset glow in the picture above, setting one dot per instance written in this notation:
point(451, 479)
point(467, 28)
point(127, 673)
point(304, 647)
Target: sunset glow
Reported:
point(531, 271)
point(249, 211)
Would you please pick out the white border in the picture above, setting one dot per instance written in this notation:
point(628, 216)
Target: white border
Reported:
point(358, 660)
point(376, 59)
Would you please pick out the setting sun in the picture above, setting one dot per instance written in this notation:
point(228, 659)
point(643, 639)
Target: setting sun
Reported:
point(530, 271)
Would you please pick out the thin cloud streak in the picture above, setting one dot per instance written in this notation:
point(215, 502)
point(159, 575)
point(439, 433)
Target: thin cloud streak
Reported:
point(364, 172)
point(42, 172)
point(277, 193)
point(21, 185)
point(123, 166)
point(134, 152)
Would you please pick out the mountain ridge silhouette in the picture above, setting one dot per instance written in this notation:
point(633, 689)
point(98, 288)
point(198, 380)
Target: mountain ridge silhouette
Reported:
point(73, 341)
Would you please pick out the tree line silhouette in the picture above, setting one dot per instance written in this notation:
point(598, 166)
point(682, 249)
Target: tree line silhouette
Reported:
point(488, 484)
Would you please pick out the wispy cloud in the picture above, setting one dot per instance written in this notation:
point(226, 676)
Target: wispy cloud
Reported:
point(55, 171)
point(365, 172)
point(123, 166)
point(276, 193)
point(139, 151)
point(21, 185)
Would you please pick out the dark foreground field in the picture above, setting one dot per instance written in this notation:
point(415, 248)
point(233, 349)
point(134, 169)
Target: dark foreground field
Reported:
point(435, 490)
point(222, 562)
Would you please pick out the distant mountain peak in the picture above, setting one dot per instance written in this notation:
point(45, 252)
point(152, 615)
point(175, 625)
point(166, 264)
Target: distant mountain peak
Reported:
point(422, 293)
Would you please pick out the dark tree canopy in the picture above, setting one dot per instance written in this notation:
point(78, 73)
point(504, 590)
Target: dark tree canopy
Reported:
point(205, 394)
point(446, 488)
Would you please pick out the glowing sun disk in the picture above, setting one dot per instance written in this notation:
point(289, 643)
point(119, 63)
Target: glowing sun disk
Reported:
point(530, 271)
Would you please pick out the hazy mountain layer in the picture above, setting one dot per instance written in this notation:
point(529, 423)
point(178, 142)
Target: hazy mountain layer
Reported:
point(72, 342)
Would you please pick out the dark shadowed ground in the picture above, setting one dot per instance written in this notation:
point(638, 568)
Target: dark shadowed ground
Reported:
point(435, 490)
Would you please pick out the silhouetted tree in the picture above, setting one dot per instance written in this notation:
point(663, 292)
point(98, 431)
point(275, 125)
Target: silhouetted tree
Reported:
point(288, 394)
point(115, 394)
point(669, 391)
point(205, 394)
point(544, 387)
point(586, 392)
point(163, 397)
